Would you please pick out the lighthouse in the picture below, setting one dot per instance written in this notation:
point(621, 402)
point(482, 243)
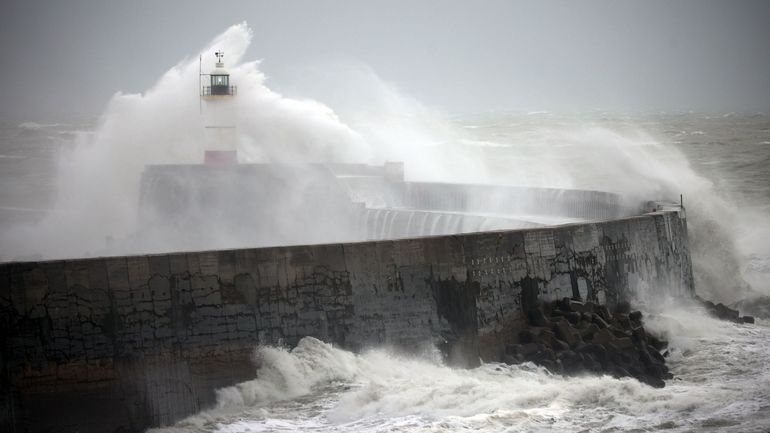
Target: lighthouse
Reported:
point(219, 129)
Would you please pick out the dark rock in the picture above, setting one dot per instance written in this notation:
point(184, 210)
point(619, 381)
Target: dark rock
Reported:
point(558, 312)
point(656, 355)
point(528, 349)
point(534, 334)
point(620, 333)
point(596, 351)
point(623, 307)
point(629, 357)
point(726, 313)
point(595, 366)
point(653, 381)
point(656, 370)
point(618, 372)
point(571, 362)
point(542, 355)
point(568, 336)
point(578, 306)
point(589, 307)
point(622, 321)
point(603, 336)
point(526, 336)
point(546, 337)
point(566, 333)
point(559, 345)
point(639, 335)
point(645, 356)
point(603, 312)
point(573, 317)
point(748, 319)
point(624, 343)
point(599, 321)
point(537, 317)
point(510, 360)
point(547, 363)
point(657, 343)
point(588, 333)
point(636, 370)
point(583, 324)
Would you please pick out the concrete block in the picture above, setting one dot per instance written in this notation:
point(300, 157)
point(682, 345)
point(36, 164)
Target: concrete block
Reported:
point(76, 273)
point(138, 271)
point(159, 265)
point(117, 274)
point(208, 262)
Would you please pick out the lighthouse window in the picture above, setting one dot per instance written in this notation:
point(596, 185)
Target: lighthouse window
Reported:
point(219, 80)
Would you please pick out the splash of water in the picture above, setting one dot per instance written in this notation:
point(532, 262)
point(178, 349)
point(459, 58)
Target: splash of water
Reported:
point(98, 181)
point(585, 151)
point(316, 387)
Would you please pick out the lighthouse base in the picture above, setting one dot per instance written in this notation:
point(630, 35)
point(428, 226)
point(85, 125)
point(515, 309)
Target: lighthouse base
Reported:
point(220, 157)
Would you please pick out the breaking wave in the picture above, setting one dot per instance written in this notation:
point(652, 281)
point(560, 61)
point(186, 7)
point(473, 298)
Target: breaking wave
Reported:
point(98, 179)
point(316, 387)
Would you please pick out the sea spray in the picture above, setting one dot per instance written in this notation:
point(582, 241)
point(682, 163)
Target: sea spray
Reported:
point(319, 388)
point(612, 153)
point(600, 151)
point(98, 181)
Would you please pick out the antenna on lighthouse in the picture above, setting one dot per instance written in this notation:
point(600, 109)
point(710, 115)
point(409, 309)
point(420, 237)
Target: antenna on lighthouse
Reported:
point(200, 74)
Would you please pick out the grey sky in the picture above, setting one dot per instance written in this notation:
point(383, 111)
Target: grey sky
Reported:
point(68, 57)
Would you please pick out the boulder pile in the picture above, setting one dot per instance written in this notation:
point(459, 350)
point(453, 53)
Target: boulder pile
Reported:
point(757, 306)
point(723, 312)
point(572, 337)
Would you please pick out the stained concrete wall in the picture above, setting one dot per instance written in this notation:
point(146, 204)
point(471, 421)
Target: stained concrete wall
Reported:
point(123, 343)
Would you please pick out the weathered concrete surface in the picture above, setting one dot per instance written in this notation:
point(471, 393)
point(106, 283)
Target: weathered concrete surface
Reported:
point(123, 343)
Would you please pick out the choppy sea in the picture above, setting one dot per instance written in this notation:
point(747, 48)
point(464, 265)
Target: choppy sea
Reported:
point(719, 163)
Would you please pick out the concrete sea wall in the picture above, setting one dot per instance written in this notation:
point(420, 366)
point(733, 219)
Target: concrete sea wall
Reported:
point(123, 343)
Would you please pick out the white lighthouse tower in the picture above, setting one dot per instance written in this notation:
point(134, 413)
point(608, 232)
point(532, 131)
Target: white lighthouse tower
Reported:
point(220, 133)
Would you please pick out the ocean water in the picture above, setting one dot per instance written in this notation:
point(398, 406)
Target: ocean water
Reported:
point(721, 384)
point(722, 372)
point(69, 184)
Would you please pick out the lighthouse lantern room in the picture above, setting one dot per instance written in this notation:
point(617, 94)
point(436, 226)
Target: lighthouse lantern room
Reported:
point(220, 81)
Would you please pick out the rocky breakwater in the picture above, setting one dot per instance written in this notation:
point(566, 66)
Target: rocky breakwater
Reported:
point(723, 312)
point(572, 337)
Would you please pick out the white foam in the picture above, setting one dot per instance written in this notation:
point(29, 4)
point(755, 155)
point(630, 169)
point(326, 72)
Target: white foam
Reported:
point(36, 126)
point(721, 378)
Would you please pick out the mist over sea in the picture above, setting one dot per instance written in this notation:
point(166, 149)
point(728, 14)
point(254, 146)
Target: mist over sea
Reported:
point(722, 377)
point(71, 189)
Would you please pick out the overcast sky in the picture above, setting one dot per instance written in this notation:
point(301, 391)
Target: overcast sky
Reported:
point(68, 57)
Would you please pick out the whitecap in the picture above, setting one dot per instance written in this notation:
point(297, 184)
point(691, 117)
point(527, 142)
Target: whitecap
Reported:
point(36, 126)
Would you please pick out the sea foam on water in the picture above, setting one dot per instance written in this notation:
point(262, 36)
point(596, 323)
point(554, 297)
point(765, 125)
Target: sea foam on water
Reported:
point(319, 387)
point(316, 387)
